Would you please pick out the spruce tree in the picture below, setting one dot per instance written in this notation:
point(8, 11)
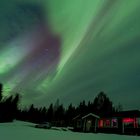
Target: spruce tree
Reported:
point(1, 88)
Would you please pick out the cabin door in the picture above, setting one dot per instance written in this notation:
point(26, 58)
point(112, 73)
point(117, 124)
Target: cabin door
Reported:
point(88, 125)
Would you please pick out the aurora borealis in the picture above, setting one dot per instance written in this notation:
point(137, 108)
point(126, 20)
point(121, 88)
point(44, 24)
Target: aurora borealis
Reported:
point(71, 50)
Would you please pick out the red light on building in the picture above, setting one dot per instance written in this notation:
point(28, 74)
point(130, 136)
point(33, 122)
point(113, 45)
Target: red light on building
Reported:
point(131, 121)
point(100, 123)
point(128, 120)
point(107, 123)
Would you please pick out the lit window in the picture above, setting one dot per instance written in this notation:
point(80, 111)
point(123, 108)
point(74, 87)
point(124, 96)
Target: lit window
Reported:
point(89, 121)
point(100, 123)
point(107, 123)
point(114, 123)
point(129, 122)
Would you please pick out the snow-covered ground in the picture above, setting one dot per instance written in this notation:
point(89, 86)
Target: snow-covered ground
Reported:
point(26, 131)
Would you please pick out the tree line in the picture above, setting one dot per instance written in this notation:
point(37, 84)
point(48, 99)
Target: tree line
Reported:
point(56, 113)
point(8, 106)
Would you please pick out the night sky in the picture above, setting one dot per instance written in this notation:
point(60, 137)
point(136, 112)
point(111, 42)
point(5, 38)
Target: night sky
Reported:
point(71, 50)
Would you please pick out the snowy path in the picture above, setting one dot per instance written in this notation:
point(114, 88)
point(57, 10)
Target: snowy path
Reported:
point(26, 131)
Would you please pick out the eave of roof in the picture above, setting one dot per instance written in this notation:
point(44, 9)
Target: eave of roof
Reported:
point(91, 114)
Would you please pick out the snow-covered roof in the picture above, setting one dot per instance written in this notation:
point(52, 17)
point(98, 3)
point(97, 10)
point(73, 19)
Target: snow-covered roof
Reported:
point(91, 114)
point(78, 116)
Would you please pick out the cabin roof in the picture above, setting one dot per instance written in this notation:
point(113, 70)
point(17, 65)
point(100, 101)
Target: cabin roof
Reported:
point(77, 117)
point(121, 114)
point(91, 114)
point(129, 113)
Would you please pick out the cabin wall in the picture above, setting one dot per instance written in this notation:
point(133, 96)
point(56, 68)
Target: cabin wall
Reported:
point(122, 127)
point(109, 125)
point(117, 125)
point(78, 125)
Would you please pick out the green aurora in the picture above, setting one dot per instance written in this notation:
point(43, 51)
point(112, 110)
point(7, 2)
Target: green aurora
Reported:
point(97, 49)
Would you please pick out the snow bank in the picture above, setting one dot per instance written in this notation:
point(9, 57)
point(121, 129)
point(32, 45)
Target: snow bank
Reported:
point(26, 131)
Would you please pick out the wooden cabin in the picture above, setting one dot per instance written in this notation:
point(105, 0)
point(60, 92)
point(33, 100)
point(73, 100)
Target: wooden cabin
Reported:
point(86, 123)
point(124, 122)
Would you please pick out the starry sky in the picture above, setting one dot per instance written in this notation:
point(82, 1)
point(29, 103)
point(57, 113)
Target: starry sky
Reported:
point(71, 50)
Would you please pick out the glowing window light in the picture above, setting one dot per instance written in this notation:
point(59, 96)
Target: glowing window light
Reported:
point(114, 122)
point(89, 121)
point(128, 120)
point(100, 123)
point(107, 123)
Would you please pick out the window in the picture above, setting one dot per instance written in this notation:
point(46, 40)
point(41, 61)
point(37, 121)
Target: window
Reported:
point(100, 123)
point(89, 121)
point(129, 122)
point(114, 123)
point(107, 123)
point(79, 124)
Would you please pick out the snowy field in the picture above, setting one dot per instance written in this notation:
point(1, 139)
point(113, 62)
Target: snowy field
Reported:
point(26, 131)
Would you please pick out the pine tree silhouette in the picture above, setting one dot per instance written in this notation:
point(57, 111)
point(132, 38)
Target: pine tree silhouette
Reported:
point(1, 88)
